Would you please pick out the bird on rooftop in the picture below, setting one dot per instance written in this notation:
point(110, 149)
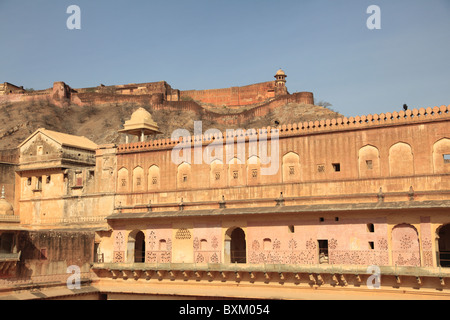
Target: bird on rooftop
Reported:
point(405, 107)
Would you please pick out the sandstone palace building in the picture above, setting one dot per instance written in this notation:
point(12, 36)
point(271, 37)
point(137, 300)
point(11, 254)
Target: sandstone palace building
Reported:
point(353, 201)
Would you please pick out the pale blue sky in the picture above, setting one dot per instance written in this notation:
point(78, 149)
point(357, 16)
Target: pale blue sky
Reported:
point(324, 46)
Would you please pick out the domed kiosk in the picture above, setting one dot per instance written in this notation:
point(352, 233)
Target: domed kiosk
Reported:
point(141, 124)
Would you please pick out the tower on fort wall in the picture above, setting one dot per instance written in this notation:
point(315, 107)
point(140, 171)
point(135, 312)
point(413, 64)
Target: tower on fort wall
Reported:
point(61, 91)
point(280, 83)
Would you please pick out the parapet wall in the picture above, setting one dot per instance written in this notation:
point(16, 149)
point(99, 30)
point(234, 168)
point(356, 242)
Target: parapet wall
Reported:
point(93, 98)
point(311, 127)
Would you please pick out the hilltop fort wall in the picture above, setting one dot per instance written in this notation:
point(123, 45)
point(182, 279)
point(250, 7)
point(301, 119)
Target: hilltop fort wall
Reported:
point(161, 94)
point(234, 96)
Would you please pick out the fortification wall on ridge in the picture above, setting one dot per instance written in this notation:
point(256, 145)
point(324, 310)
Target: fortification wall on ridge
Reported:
point(233, 96)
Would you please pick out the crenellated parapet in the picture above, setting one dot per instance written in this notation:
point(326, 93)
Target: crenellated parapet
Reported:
point(420, 115)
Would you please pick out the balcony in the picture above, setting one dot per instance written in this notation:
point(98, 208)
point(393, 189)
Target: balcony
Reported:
point(394, 279)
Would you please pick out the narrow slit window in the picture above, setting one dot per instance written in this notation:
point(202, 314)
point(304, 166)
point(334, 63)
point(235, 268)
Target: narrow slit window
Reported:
point(267, 244)
point(39, 183)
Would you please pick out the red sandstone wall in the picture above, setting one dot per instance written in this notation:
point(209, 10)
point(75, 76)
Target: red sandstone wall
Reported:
point(99, 98)
point(313, 145)
point(234, 96)
point(260, 111)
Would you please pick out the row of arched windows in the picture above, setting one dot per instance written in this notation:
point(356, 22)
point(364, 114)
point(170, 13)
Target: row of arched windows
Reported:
point(237, 173)
point(407, 248)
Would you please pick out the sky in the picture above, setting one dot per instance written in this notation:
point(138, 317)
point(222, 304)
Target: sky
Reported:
point(324, 46)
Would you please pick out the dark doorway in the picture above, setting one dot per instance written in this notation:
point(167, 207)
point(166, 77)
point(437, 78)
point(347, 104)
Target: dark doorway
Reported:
point(323, 251)
point(238, 247)
point(139, 248)
point(6, 242)
point(444, 246)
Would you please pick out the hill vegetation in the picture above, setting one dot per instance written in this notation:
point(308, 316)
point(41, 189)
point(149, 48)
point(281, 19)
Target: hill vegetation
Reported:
point(100, 123)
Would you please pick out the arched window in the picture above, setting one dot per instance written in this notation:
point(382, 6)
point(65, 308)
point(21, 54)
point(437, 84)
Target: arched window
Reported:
point(153, 178)
point(444, 246)
point(184, 176)
point(401, 160)
point(236, 173)
point(291, 167)
point(217, 175)
point(235, 246)
point(441, 156)
point(369, 162)
point(405, 245)
point(253, 170)
point(136, 247)
point(138, 179)
point(122, 180)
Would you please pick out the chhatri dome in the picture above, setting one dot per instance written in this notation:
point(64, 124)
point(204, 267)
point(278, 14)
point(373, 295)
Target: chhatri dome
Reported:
point(140, 124)
point(280, 77)
point(6, 208)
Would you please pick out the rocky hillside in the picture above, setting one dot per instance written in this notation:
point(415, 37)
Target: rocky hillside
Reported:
point(101, 122)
